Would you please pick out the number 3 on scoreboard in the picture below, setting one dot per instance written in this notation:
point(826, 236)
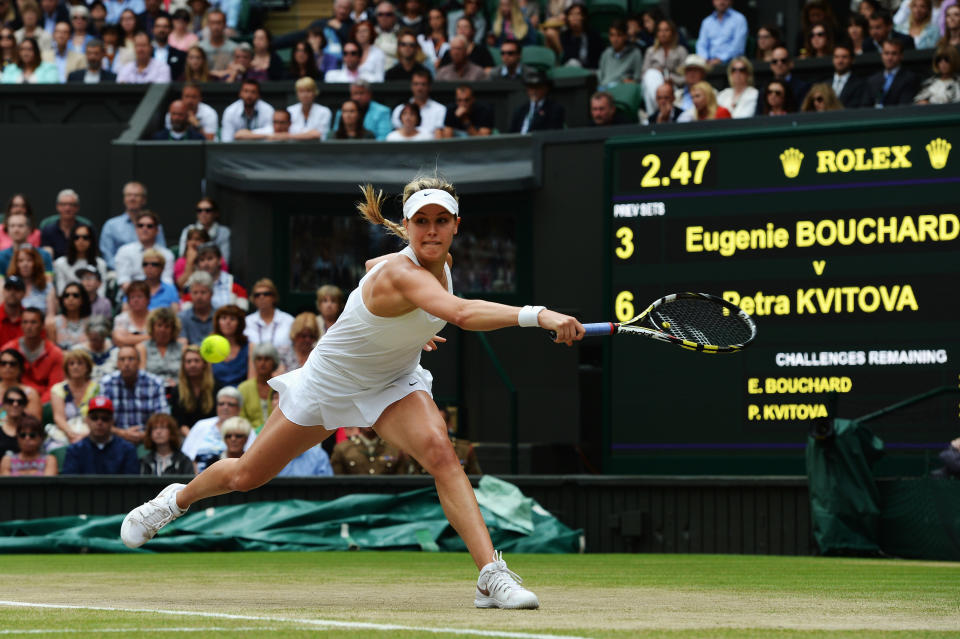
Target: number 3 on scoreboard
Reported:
point(625, 250)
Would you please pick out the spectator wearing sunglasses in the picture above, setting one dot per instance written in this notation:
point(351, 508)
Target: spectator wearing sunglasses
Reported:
point(31, 460)
point(101, 452)
point(740, 98)
point(208, 219)
point(944, 86)
point(11, 376)
point(781, 64)
point(122, 229)
point(510, 67)
point(129, 260)
point(81, 253)
point(14, 405)
point(69, 326)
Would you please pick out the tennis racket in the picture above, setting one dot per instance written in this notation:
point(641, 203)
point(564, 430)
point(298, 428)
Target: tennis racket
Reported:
point(694, 321)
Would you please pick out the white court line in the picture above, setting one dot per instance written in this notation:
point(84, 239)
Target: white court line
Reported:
point(327, 623)
point(46, 631)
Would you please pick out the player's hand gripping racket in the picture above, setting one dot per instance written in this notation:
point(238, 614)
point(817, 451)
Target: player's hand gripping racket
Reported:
point(695, 321)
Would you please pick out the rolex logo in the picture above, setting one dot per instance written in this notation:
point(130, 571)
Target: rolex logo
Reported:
point(791, 159)
point(938, 150)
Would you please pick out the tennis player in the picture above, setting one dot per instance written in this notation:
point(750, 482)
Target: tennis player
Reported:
point(366, 371)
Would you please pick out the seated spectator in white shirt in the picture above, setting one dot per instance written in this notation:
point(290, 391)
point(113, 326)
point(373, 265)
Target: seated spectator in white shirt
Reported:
point(307, 115)
point(201, 116)
point(373, 62)
point(145, 68)
point(268, 324)
point(410, 129)
point(129, 260)
point(432, 113)
point(350, 70)
point(279, 129)
point(249, 112)
point(204, 444)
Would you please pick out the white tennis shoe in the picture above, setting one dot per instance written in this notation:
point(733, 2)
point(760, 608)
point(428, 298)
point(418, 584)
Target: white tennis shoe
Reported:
point(143, 522)
point(499, 587)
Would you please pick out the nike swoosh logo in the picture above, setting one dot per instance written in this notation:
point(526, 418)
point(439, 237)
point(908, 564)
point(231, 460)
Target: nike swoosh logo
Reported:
point(483, 591)
point(413, 383)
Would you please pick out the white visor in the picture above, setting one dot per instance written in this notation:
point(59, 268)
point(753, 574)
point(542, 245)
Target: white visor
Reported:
point(430, 196)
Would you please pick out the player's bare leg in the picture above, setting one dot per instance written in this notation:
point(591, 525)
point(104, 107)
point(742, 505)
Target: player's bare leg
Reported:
point(415, 426)
point(280, 441)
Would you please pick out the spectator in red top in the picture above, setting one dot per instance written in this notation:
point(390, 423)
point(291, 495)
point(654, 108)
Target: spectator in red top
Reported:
point(704, 105)
point(44, 366)
point(13, 292)
point(18, 204)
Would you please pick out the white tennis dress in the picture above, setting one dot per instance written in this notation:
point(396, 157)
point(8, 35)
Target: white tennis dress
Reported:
point(362, 364)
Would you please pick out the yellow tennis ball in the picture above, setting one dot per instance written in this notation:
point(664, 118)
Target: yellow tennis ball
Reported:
point(214, 348)
point(666, 324)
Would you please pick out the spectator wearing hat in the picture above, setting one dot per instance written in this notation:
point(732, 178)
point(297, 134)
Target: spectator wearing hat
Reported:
point(13, 291)
point(694, 70)
point(723, 34)
point(44, 360)
point(80, 21)
point(135, 393)
point(100, 452)
point(622, 61)
point(540, 113)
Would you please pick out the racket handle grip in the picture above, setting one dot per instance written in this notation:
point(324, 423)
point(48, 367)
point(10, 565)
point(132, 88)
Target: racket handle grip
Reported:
point(599, 328)
point(593, 330)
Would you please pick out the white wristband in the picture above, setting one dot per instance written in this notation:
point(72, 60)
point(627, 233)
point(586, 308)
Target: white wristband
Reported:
point(529, 316)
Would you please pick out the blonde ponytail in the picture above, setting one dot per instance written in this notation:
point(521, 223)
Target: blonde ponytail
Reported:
point(370, 210)
point(370, 207)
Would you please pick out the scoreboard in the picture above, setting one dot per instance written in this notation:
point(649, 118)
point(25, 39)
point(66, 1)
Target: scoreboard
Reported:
point(842, 240)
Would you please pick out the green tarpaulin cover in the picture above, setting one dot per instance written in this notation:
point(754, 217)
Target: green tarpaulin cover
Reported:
point(406, 521)
point(844, 500)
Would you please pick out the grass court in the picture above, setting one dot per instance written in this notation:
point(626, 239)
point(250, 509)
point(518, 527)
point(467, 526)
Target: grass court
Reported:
point(415, 594)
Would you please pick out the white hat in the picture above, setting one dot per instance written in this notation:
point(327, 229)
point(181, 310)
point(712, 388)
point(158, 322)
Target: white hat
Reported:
point(694, 60)
point(430, 196)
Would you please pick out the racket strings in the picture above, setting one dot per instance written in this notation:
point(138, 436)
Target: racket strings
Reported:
point(702, 321)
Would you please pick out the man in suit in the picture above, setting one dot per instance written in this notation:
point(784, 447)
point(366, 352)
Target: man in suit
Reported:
point(881, 30)
point(175, 58)
point(66, 61)
point(851, 90)
point(894, 85)
point(540, 113)
point(781, 64)
point(93, 74)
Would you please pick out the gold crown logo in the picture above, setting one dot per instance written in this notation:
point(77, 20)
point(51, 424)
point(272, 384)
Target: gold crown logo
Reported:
point(791, 159)
point(938, 150)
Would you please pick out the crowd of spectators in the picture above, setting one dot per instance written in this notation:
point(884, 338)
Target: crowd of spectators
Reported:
point(100, 366)
point(145, 41)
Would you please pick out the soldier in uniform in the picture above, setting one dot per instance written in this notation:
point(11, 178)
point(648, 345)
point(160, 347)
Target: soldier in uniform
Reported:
point(365, 453)
point(462, 447)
